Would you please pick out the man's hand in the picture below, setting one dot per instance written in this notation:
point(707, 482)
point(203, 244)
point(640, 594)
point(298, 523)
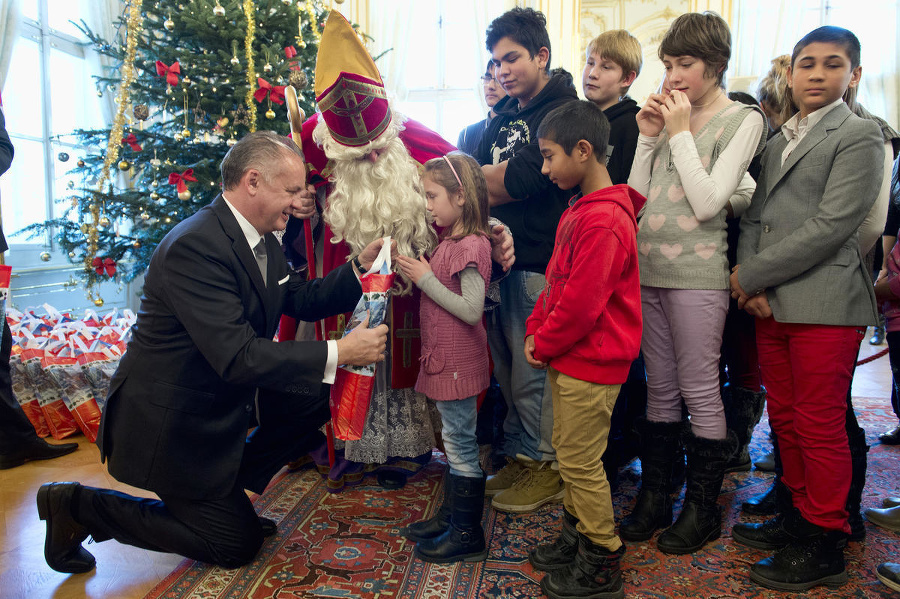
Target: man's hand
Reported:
point(413, 269)
point(529, 354)
point(502, 247)
point(363, 346)
point(307, 203)
point(758, 306)
point(370, 252)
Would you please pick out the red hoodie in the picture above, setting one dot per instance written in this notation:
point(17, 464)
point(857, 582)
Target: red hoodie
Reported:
point(587, 321)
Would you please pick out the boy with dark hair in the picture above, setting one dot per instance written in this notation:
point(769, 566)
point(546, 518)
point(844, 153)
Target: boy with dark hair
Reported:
point(613, 62)
point(585, 330)
point(530, 205)
point(799, 258)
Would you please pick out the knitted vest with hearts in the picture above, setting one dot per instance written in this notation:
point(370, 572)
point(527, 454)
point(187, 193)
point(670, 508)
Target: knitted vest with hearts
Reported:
point(675, 250)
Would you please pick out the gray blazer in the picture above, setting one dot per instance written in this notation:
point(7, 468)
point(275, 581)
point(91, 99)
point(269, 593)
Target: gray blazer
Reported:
point(798, 238)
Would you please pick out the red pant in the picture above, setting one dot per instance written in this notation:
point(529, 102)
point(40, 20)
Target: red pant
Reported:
point(806, 370)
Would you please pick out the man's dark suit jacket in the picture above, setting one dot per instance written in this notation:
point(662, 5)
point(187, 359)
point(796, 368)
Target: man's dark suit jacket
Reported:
point(182, 399)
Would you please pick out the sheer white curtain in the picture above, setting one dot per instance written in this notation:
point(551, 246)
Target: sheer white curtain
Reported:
point(389, 25)
point(10, 16)
point(101, 16)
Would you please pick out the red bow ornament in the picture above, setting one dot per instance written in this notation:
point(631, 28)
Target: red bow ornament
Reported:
point(170, 73)
point(131, 140)
point(289, 53)
point(178, 180)
point(274, 92)
point(107, 264)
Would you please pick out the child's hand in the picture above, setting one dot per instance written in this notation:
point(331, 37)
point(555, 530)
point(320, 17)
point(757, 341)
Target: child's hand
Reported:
point(650, 119)
point(737, 292)
point(529, 354)
point(758, 306)
point(502, 250)
point(413, 269)
point(676, 111)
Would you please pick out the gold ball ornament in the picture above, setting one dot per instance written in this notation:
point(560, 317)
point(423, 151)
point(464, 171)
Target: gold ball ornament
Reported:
point(267, 68)
point(184, 195)
point(231, 141)
point(270, 114)
point(338, 1)
point(124, 165)
point(186, 133)
point(235, 61)
point(187, 82)
point(219, 10)
point(80, 163)
point(169, 24)
point(141, 112)
point(98, 302)
point(71, 254)
point(45, 256)
point(298, 79)
point(136, 245)
point(145, 216)
point(178, 137)
point(99, 93)
point(154, 184)
point(104, 221)
point(287, 2)
point(154, 196)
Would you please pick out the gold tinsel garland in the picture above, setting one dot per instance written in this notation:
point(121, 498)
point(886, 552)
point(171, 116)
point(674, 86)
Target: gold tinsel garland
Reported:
point(250, 13)
point(132, 33)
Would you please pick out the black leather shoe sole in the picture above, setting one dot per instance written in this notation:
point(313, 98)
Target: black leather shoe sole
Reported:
point(833, 581)
point(62, 546)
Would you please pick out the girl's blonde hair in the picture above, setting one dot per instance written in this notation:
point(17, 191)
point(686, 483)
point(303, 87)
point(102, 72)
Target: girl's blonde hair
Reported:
point(471, 185)
point(773, 90)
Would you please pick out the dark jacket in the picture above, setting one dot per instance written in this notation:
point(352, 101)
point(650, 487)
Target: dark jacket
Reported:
point(470, 137)
point(182, 398)
point(623, 135)
point(512, 136)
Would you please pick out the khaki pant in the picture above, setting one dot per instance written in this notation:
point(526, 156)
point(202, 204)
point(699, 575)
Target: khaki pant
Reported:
point(581, 415)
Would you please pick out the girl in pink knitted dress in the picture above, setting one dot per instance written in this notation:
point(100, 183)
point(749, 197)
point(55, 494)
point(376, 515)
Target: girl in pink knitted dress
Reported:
point(454, 362)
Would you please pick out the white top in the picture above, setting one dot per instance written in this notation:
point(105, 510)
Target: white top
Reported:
point(253, 238)
point(707, 193)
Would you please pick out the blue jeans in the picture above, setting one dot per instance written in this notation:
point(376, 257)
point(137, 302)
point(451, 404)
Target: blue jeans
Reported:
point(458, 420)
point(528, 427)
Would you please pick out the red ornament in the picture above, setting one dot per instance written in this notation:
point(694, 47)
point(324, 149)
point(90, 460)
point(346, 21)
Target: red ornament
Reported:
point(104, 264)
point(266, 89)
point(170, 73)
point(178, 180)
point(131, 140)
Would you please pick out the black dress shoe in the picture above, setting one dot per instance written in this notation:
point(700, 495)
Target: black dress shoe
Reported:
point(892, 437)
point(35, 450)
point(390, 479)
point(269, 526)
point(765, 504)
point(62, 547)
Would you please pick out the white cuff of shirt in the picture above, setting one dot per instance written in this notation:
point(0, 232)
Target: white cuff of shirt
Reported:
point(331, 363)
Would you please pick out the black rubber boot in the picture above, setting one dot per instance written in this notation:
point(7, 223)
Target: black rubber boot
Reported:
point(743, 410)
point(595, 573)
point(561, 552)
point(660, 446)
point(464, 538)
point(817, 560)
point(437, 524)
point(700, 520)
point(858, 466)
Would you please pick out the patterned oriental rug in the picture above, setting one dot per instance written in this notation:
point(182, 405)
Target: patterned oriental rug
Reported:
point(348, 544)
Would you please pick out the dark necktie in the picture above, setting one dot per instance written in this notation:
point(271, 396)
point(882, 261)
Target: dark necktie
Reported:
point(260, 253)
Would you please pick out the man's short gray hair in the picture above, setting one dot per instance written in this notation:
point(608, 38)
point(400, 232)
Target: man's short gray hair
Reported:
point(261, 150)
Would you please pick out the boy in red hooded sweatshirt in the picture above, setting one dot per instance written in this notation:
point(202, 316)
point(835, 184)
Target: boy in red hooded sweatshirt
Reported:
point(586, 330)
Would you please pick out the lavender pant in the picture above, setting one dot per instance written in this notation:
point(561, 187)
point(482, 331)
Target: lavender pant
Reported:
point(682, 341)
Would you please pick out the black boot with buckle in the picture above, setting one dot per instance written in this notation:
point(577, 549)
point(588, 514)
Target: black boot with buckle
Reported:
point(595, 573)
point(464, 538)
point(561, 552)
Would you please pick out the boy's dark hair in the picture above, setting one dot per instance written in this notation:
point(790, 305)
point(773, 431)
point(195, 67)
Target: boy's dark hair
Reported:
point(703, 35)
point(568, 124)
point(831, 35)
point(743, 98)
point(525, 26)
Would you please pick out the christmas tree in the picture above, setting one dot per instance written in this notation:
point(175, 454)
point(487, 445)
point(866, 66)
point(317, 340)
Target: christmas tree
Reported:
point(191, 77)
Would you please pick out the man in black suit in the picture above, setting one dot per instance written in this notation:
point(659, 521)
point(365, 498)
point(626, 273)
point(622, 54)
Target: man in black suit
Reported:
point(201, 369)
point(18, 441)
